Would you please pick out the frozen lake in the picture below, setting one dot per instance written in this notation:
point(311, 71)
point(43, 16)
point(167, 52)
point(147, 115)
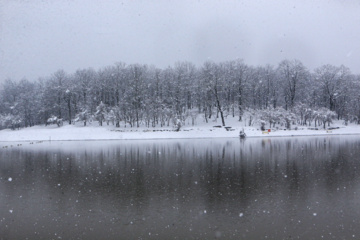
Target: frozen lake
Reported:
point(278, 188)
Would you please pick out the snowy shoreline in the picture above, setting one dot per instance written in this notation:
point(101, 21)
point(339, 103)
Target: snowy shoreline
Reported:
point(204, 131)
point(180, 138)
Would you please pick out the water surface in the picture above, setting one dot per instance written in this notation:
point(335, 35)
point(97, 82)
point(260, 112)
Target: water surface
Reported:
point(279, 188)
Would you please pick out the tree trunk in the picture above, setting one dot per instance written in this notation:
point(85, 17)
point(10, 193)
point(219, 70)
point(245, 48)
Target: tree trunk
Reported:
point(69, 107)
point(240, 104)
point(219, 107)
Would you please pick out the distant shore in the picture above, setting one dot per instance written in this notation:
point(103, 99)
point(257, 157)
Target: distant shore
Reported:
point(94, 132)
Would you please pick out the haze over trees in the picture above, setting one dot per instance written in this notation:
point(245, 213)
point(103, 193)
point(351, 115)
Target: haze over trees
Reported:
point(140, 95)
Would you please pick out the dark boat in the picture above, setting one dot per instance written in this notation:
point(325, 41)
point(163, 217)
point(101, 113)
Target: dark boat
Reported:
point(242, 134)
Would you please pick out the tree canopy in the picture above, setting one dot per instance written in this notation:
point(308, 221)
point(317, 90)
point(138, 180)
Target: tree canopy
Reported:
point(135, 94)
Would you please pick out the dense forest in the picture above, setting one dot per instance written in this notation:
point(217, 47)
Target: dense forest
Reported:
point(141, 95)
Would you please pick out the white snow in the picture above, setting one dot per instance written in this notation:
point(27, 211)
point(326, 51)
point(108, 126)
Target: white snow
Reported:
point(201, 130)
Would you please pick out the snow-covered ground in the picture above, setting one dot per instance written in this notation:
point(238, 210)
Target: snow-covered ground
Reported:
point(200, 130)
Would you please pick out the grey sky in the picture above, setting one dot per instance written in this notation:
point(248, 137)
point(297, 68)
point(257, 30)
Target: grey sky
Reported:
point(38, 37)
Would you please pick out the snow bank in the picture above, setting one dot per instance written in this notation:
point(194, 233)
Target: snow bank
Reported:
point(208, 130)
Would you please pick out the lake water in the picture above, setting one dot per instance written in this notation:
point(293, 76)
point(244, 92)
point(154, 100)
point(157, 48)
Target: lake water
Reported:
point(278, 188)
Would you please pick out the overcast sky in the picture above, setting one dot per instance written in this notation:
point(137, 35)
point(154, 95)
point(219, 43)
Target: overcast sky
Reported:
point(39, 37)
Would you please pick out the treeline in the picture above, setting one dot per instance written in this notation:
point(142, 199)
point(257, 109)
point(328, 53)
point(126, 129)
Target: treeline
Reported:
point(134, 95)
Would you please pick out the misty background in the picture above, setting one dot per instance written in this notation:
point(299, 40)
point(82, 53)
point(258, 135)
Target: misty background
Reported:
point(39, 37)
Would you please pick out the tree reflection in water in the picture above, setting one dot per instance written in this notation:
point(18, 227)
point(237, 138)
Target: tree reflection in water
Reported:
point(278, 188)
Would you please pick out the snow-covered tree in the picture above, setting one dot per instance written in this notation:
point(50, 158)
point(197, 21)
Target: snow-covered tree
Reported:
point(10, 121)
point(251, 116)
point(300, 111)
point(212, 80)
point(287, 117)
point(110, 117)
point(83, 116)
point(101, 113)
point(138, 94)
point(331, 80)
point(116, 111)
point(293, 75)
point(271, 115)
point(324, 115)
point(241, 78)
point(177, 124)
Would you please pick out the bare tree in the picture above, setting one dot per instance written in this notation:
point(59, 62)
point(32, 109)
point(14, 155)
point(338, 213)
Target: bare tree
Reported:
point(211, 74)
point(293, 75)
